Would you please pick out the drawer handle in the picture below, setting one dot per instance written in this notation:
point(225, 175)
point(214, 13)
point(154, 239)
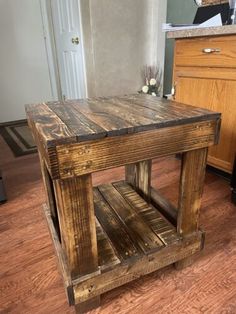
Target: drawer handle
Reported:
point(211, 50)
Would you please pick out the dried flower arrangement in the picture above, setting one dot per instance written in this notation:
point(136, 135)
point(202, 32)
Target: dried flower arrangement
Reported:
point(152, 80)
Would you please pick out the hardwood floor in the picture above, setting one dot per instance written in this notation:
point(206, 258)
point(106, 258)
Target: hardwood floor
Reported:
point(31, 283)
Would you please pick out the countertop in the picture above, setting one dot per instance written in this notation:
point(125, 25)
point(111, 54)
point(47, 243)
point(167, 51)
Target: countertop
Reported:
point(206, 31)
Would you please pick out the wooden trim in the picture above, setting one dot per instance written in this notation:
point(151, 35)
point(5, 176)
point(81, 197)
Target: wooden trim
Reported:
point(61, 258)
point(82, 158)
point(50, 48)
point(220, 164)
point(124, 273)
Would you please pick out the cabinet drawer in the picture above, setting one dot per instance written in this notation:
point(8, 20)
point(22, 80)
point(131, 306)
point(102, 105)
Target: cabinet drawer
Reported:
point(219, 51)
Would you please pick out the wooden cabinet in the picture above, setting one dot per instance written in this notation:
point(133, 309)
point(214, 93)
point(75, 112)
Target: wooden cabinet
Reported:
point(205, 76)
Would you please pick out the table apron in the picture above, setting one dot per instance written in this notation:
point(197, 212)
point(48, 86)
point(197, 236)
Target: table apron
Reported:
point(87, 157)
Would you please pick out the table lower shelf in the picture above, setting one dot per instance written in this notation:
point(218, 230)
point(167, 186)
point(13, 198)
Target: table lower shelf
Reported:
point(133, 239)
point(127, 226)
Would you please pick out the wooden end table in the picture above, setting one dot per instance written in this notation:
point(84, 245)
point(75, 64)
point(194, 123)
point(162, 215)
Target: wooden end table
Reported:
point(109, 235)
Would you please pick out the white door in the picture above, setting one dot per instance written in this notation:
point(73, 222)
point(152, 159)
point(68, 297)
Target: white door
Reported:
point(67, 32)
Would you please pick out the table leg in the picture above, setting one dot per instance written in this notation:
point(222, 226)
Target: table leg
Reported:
point(190, 193)
point(139, 176)
point(75, 206)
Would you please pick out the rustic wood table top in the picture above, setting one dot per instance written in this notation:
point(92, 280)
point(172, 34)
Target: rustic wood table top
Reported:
point(89, 119)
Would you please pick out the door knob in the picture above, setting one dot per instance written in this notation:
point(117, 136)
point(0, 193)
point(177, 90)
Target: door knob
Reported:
point(75, 40)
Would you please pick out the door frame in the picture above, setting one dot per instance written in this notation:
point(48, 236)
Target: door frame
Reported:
point(51, 51)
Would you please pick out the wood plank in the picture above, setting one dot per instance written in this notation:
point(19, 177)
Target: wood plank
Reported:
point(50, 127)
point(118, 116)
point(115, 230)
point(139, 176)
point(106, 255)
point(164, 206)
point(190, 194)
point(140, 233)
point(61, 258)
point(83, 127)
point(74, 199)
point(105, 114)
point(162, 228)
point(78, 159)
point(167, 112)
point(190, 190)
point(124, 273)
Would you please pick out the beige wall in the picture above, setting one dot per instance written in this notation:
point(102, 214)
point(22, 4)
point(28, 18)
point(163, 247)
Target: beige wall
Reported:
point(120, 37)
point(24, 76)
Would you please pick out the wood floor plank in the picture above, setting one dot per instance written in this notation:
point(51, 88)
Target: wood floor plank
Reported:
point(141, 234)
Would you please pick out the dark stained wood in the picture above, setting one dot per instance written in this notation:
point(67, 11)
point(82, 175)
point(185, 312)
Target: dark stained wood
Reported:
point(114, 228)
point(106, 254)
point(139, 176)
point(109, 117)
point(163, 229)
point(140, 233)
point(190, 195)
point(164, 206)
point(97, 155)
point(49, 125)
point(62, 260)
point(124, 273)
point(76, 121)
point(77, 224)
point(190, 190)
point(165, 110)
point(105, 114)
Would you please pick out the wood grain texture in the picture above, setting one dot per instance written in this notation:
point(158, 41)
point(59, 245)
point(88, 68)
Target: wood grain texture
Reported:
point(217, 94)
point(31, 283)
point(48, 125)
point(139, 176)
point(81, 158)
point(82, 120)
point(190, 190)
point(138, 230)
point(74, 199)
point(114, 228)
point(189, 52)
point(107, 256)
point(163, 229)
point(62, 260)
point(148, 263)
point(210, 82)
